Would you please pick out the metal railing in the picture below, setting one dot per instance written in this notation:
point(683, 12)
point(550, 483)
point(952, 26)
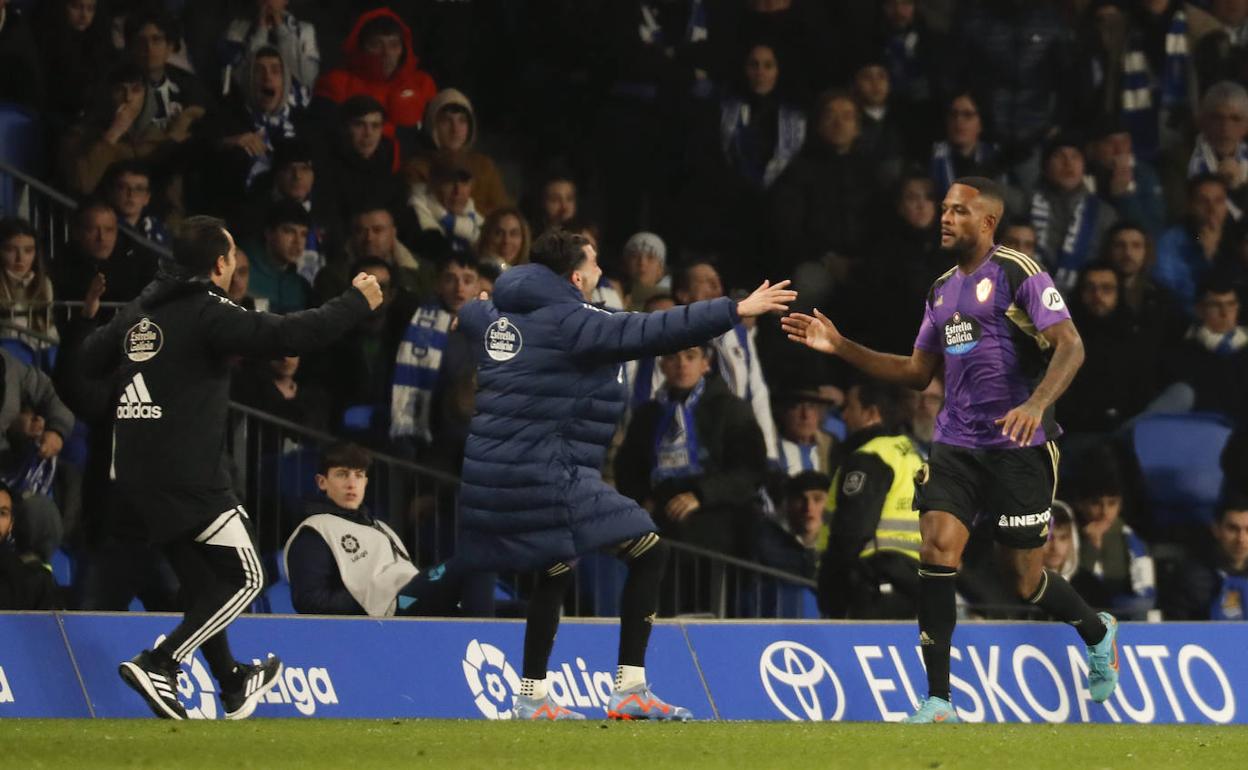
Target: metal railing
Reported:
point(275, 462)
point(51, 213)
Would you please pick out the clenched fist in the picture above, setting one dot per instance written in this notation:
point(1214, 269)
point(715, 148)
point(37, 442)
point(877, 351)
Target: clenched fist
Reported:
point(368, 286)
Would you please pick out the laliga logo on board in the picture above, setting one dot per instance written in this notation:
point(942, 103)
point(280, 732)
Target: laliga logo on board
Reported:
point(794, 675)
point(191, 677)
point(302, 688)
point(491, 679)
point(493, 682)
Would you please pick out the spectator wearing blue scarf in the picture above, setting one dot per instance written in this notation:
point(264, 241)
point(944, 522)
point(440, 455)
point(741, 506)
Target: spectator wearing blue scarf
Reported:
point(1070, 220)
point(694, 457)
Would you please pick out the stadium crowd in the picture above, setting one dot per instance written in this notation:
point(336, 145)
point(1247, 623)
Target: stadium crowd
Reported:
point(702, 145)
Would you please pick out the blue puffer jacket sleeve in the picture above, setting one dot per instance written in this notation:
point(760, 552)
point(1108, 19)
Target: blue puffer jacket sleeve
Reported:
point(603, 336)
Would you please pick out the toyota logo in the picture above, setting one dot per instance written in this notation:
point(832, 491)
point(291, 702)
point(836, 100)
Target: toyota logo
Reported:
point(786, 667)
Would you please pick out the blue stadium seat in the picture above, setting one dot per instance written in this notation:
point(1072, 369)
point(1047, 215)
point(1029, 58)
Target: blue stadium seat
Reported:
point(75, 451)
point(20, 146)
point(19, 350)
point(63, 567)
point(358, 418)
point(48, 357)
point(136, 605)
point(277, 597)
point(1178, 456)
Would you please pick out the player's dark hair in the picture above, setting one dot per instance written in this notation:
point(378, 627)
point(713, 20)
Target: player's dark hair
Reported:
point(989, 188)
point(197, 244)
point(559, 250)
point(886, 398)
point(345, 454)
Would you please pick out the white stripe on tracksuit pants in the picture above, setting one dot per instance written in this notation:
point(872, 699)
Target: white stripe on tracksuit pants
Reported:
point(221, 576)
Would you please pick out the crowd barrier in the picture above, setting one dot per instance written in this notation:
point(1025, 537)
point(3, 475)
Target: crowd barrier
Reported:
point(65, 665)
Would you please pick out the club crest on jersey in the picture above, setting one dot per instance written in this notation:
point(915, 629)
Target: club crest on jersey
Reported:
point(502, 340)
point(143, 341)
point(983, 290)
point(962, 334)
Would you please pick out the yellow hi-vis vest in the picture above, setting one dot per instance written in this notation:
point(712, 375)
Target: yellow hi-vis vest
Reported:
point(898, 530)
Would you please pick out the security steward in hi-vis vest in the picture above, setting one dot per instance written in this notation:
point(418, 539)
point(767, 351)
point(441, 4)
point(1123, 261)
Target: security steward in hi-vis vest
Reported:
point(869, 567)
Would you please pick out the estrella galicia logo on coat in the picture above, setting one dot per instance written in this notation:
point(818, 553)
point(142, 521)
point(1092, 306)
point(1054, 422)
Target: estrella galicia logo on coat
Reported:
point(143, 341)
point(962, 334)
point(350, 544)
point(503, 340)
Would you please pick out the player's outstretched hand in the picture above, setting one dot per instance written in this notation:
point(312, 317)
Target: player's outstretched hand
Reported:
point(1021, 423)
point(767, 299)
point(368, 286)
point(817, 331)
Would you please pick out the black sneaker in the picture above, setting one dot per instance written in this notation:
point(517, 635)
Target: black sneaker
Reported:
point(157, 684)
point(254, 682)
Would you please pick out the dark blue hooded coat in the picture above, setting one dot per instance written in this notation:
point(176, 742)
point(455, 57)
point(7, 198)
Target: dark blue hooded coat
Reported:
point(550, 392)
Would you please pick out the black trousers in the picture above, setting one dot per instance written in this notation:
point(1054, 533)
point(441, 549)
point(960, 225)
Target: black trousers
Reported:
point(220, 575)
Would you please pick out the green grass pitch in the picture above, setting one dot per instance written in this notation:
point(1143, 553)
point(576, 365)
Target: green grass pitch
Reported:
point(365, 744)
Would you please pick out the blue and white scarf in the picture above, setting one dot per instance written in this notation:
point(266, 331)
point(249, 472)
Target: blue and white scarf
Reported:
point(1077, 244)
point(796, 458)
point(905, 70)
point(153, 229)
point(1205, 161)
point(416, 370)
point(677, 453)
point(1143, 94)
point(643, 385)
point(734, 120)
point(278, 125)
point(941, 169)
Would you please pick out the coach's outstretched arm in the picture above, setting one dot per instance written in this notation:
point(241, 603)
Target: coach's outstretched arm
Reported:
point(230, 329)
point(819, 333)
point(625, 336)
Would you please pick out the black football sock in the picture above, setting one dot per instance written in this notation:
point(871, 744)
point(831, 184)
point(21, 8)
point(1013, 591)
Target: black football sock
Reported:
point(1059, 598)
point(545, 607)
point(938, 614)
point(639, 601)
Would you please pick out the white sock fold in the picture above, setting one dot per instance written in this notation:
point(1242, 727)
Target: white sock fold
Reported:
point(533, 688)
point(628, 677)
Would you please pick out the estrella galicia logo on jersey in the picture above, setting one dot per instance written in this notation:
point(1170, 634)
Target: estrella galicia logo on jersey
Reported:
point(350, 544)
point(962, 334)
point(503, 340)
point(143, 341)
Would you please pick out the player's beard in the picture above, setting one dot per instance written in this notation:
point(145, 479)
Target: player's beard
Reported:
point(960, 250)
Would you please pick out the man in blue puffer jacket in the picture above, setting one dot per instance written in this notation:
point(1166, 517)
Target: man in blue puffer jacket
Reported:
point(550, 392)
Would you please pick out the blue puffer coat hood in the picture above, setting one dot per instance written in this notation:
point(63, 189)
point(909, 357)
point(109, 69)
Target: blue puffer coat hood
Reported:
point(550, 393)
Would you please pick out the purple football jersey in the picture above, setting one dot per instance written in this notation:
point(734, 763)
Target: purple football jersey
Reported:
point(987, 325)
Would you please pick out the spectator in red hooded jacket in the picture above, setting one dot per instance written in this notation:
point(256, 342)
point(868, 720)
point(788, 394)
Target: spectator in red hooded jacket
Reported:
point(379, 61)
